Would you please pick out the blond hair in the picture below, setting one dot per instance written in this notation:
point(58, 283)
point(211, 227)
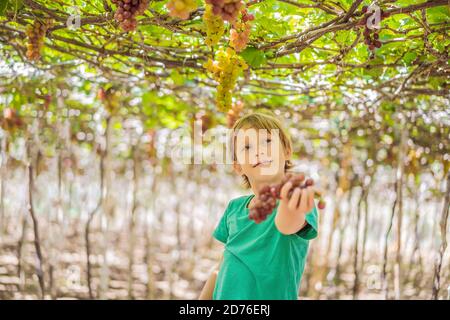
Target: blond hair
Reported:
point(260, 120)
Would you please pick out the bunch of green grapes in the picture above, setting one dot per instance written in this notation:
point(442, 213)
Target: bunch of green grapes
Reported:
point(214, 26)
point(240, 33)
point(225, 70)
point(36, 34)
point(181, 8)
point(127, 11)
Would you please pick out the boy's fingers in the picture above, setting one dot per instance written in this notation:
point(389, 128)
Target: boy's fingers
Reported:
point(310, 198)
point(303, 200)
point(292, 205)
point(285, 189)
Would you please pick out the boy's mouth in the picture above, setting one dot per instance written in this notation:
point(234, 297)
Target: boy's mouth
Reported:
point(262, 163)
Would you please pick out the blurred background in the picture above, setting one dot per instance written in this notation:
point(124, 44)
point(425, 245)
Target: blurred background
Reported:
point(99, 198)
point(120, 195)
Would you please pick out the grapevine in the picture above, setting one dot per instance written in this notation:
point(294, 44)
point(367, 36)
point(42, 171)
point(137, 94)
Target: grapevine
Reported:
point(225, 71)
point(127, 11)
point(214, 26)
point(181, 8)
point(268, 195)
point(36, 34)
point(227, 9)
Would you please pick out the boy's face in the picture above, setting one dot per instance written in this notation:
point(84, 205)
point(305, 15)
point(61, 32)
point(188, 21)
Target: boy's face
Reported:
point(259, 155)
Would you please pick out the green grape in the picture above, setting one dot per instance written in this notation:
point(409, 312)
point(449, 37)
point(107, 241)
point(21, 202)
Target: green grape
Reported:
point(214, 26)
point(181, 8)
point(225, 70)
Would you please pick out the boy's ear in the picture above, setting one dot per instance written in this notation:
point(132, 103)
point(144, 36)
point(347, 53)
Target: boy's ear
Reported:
point(237, 168)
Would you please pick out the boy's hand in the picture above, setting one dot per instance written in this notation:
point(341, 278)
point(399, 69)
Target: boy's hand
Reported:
point(292, 211)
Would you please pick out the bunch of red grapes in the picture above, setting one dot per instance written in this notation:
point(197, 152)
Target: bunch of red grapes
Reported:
point(246, 16)
point(371, 36)
point(240, 33)
point(234, 113)
point(10, 120)
point(227, 9)
point(268, 195)
point(36, 34)
point(126, 12)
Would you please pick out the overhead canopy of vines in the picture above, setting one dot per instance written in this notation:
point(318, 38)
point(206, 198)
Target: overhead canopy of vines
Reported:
point(165, 60)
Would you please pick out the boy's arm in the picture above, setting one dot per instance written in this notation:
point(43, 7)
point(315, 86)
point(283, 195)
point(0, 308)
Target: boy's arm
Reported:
point(208, 289)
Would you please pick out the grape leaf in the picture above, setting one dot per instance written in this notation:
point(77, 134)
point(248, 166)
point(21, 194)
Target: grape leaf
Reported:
point(254, 57)
point(3, 5)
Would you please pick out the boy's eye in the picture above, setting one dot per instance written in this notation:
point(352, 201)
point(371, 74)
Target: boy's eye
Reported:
point(269, 140)
point(247, 147)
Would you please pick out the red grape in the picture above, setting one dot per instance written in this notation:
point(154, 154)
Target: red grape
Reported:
point(127, 11)
point(228, 9)
point(36, 34)
point(266, 201)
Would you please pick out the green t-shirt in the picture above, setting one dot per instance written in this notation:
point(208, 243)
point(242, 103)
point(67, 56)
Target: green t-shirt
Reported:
point(260, 262)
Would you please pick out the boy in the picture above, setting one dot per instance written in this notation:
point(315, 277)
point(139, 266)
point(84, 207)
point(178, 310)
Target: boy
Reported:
point(264, 260)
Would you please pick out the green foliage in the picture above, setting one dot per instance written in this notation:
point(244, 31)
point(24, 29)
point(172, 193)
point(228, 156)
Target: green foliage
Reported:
point(254, 57)
point(303, 61)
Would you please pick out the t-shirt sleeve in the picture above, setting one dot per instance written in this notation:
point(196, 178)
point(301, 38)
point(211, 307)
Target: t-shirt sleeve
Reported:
point(309, 231)
point(221, 230)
